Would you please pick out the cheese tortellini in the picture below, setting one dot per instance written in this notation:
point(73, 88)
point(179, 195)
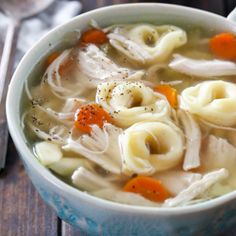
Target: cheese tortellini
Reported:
point(146, 43)
point(132, 102)
point(147, 147)
point(214, 101)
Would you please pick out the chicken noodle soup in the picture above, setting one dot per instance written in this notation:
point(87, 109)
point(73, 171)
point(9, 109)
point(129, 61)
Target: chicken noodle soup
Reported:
point(139, 114)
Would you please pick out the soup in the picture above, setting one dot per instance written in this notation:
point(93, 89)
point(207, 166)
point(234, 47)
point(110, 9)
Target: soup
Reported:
point(139, 114)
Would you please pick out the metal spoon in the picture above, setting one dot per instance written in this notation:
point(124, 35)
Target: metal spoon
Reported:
point(17, 11)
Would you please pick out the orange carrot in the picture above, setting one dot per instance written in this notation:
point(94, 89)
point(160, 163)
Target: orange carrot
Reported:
point(224, 46)
point(52, 57)
point(148, 187)
point(91, 114)
point(169, 92)
point(95, 36)
point(66, 66)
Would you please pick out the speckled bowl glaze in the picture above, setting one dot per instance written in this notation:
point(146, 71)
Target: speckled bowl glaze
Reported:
point(97, 216)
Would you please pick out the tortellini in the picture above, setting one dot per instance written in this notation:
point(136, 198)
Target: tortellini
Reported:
point(214, 101)
point(132, 102)
point(146, 43)
point(147, 147)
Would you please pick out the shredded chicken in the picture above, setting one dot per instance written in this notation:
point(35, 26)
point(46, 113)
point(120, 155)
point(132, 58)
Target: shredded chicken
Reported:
point(161, 41)
point(64, 118)
point(193, 140)
point(67, 165)
point(214, 126)
point(100, 147)
point(68, 111)
point(120, 42)
point(197, 188)
point(202, 68)
point(219, 153)
point(89, 181)
point(57, 134)
point(72, 104)
point(53, 77)
point(96, 65)
point(176, 181)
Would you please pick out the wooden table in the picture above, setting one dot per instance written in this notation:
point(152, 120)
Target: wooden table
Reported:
point(22, 212)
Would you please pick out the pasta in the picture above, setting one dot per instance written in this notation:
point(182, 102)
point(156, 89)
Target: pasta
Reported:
point(150, 147)
point(147, 43)
point(214, 101)
point(131, 102)
point(131, 116)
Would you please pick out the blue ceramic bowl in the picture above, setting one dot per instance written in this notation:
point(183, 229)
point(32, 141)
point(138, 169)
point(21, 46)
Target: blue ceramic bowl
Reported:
point(97, 216)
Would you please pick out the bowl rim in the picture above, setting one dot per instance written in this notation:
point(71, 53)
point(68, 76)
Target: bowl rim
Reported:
point(27, 155)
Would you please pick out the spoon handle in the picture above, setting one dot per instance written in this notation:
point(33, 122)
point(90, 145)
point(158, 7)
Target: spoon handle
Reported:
point(6, 67)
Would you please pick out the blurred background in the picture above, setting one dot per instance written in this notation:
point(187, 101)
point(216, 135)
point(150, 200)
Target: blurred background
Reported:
point(222, 7)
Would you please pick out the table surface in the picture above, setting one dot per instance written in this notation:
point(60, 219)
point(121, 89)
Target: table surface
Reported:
point(22, 211)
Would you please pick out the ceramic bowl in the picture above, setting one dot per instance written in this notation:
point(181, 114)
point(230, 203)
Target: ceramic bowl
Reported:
point(97, 216)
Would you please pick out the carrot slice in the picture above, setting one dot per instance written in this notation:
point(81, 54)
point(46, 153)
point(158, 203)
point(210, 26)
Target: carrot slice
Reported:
point(95, 36)
point(169, 92)
point(52, 58)
point(91, 114)
point(224, 46)
point(148, 187)
point(66, 66)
